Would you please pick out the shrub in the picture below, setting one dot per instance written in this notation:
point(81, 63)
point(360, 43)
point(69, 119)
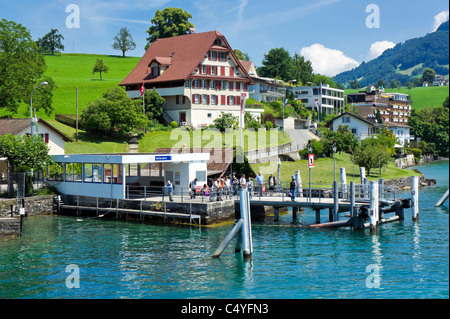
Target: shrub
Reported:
point(174, 124)
point(268, 125)
point(416, 152)
point(254, 125)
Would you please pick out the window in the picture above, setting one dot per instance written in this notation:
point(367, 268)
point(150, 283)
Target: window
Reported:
point(196, 84)
point(117, 174)
point(55, 172)
point(224, 85)
point(213, 55)
point(203, 69)
point(231, 100)
point(212, 85)
point(204, 99)
point(187, 84)
point(155, 71)
point(44, 137)
point(223, 57)
point(204, 84)
point(196, 98)
point(209, 115)
point(107, 170)
point(238, 86)
point(213, 99)
point(346, 119)
point(213, 70)
point(354, 131)
point(200, 175)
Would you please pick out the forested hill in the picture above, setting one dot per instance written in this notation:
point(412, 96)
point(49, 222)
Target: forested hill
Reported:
point(405, 61)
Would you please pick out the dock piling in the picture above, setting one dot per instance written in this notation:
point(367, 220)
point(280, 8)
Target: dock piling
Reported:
point(442, 200)
point(336, 201)
point(415, 197)
point(374, 203)
point(343, 182)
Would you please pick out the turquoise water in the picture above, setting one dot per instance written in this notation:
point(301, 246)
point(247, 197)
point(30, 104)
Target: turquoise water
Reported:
point(132, 260)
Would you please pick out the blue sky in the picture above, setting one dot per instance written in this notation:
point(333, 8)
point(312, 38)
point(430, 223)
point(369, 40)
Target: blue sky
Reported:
point(333, 34)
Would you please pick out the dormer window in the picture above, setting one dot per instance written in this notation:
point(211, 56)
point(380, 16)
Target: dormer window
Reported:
point(218, 42)
point(155, 71)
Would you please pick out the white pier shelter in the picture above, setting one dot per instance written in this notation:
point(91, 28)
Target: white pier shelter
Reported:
point(108, 175)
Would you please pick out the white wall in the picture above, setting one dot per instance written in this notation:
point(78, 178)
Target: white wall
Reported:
point(56, 142)
point(360, 126)
point(187, 173)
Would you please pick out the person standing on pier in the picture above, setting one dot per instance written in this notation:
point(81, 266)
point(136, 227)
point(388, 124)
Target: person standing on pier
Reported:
point(242, 182)
point(170, 190)
point(292, 187)
point(193, 187)
point(250, 187)
point(259, 183)
point(272, 182)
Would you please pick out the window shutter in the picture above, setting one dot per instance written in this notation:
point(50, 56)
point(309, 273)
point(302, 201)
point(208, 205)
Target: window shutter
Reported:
point(208, 100)
point(200, 98)
point(218, 85)
point(231, 86)
point(231, 71)
point(222, 71)
point(222, 99)
point(193, 98)
point(46, 138)
point(193, 83)
point(245, 87)
point(208, 69)
point(217, 100)
point(200, 84)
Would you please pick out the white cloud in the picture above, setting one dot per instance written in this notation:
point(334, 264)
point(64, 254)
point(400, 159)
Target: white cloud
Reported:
point(440, 18)
point(328, 61)
point(377, 48)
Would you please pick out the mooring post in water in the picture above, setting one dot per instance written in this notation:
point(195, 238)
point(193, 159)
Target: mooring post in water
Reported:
point(22, 215)
point(343, 181)
point(247, 245)
point(381, 192)
point(415, 197)
point(362, 173)
point(352, 199)
point(294, 213)
point(336, 201)
point(442, 200)
point(317, 216)
point(374, 203)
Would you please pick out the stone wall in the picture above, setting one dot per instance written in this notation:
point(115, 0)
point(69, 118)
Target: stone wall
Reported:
point(33, 205)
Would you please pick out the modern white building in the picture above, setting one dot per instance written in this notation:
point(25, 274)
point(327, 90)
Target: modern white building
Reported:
point(322, 97)
point(111, 175)
point(401, 132)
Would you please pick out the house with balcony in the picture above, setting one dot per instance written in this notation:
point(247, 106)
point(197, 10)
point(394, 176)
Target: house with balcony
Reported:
point(393, 107)
point(197, 74)
point(264, 89)
point(360, 126)
point(322, 97)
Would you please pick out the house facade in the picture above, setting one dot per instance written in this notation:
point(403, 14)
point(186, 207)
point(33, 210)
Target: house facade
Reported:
point(198, 75)
point(361, 127)
point(393, 107)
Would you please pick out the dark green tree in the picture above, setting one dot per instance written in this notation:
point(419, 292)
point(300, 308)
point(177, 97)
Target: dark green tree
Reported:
point(428, 75)
point(241, 55)
point(51, 42)
point(114, 113)
point(21, 65)
point(277, 63)
point(168, 23)
point(153, 105)
point(123, 41)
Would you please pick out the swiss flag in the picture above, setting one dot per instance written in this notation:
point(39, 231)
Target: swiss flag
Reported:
point(142, 89)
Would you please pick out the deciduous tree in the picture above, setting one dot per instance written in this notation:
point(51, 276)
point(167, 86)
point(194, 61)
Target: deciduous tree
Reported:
point(100, 67)
point(123, 41)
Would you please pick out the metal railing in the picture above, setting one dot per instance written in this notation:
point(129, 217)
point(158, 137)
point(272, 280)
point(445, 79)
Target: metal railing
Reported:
point(263, 192)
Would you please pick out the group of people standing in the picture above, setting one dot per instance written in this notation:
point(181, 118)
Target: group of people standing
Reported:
point(227, 187)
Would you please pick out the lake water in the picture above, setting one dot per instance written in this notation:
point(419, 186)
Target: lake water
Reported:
point(132, 260)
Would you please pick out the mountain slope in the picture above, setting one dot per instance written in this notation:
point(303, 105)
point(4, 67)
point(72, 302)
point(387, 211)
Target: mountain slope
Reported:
point(405, 61)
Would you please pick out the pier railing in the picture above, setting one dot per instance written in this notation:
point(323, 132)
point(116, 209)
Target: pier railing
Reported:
point(259, 192)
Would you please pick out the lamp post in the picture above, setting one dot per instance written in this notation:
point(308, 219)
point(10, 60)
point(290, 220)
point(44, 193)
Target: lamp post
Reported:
point(333, 147)
point(309, 152)
point(31, 103)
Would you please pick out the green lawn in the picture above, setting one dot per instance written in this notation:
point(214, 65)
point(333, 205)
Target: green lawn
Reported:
point(75, 70)
point(209, 139)
point(421, 97)
point(322, 173)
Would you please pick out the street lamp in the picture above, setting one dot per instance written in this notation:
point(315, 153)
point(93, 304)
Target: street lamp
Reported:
point(333, 147)
point(31, 103)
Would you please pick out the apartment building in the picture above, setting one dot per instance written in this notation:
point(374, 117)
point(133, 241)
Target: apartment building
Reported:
point(198, 74)
point(324, 98)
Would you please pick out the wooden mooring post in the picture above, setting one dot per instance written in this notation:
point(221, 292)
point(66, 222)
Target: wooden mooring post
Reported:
point(415, 197)
point(374, 206)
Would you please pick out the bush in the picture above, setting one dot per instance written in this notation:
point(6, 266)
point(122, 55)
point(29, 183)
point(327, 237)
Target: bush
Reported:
point(268, 125)
point(317, 149)
point(254, 125)
point(416, 152)
point(174, 124)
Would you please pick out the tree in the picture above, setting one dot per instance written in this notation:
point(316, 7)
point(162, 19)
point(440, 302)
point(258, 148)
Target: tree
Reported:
point(99, 67)
point(153, 105)
point(380, 83)
point(170, 22)
point(24, 154)
point(51, 42)
point(355, 84)
point(224, 121)
point(114, 113)
point(378, 117)
point(445, 104)
point(43, 97)
point(428, 75)
point(277, 63)
point(302, 70)
point(123, 41)
point(21, 65)
point(241, 55)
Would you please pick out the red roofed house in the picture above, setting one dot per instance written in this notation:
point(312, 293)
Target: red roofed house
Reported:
point(198, 74)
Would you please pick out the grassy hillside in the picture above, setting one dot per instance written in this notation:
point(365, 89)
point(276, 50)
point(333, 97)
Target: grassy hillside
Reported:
point(75, 70)
point(421, 97)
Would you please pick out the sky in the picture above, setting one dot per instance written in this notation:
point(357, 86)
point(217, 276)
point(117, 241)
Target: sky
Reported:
point(335, 35)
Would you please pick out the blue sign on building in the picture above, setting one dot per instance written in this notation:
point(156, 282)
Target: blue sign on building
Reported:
point(163, 158)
